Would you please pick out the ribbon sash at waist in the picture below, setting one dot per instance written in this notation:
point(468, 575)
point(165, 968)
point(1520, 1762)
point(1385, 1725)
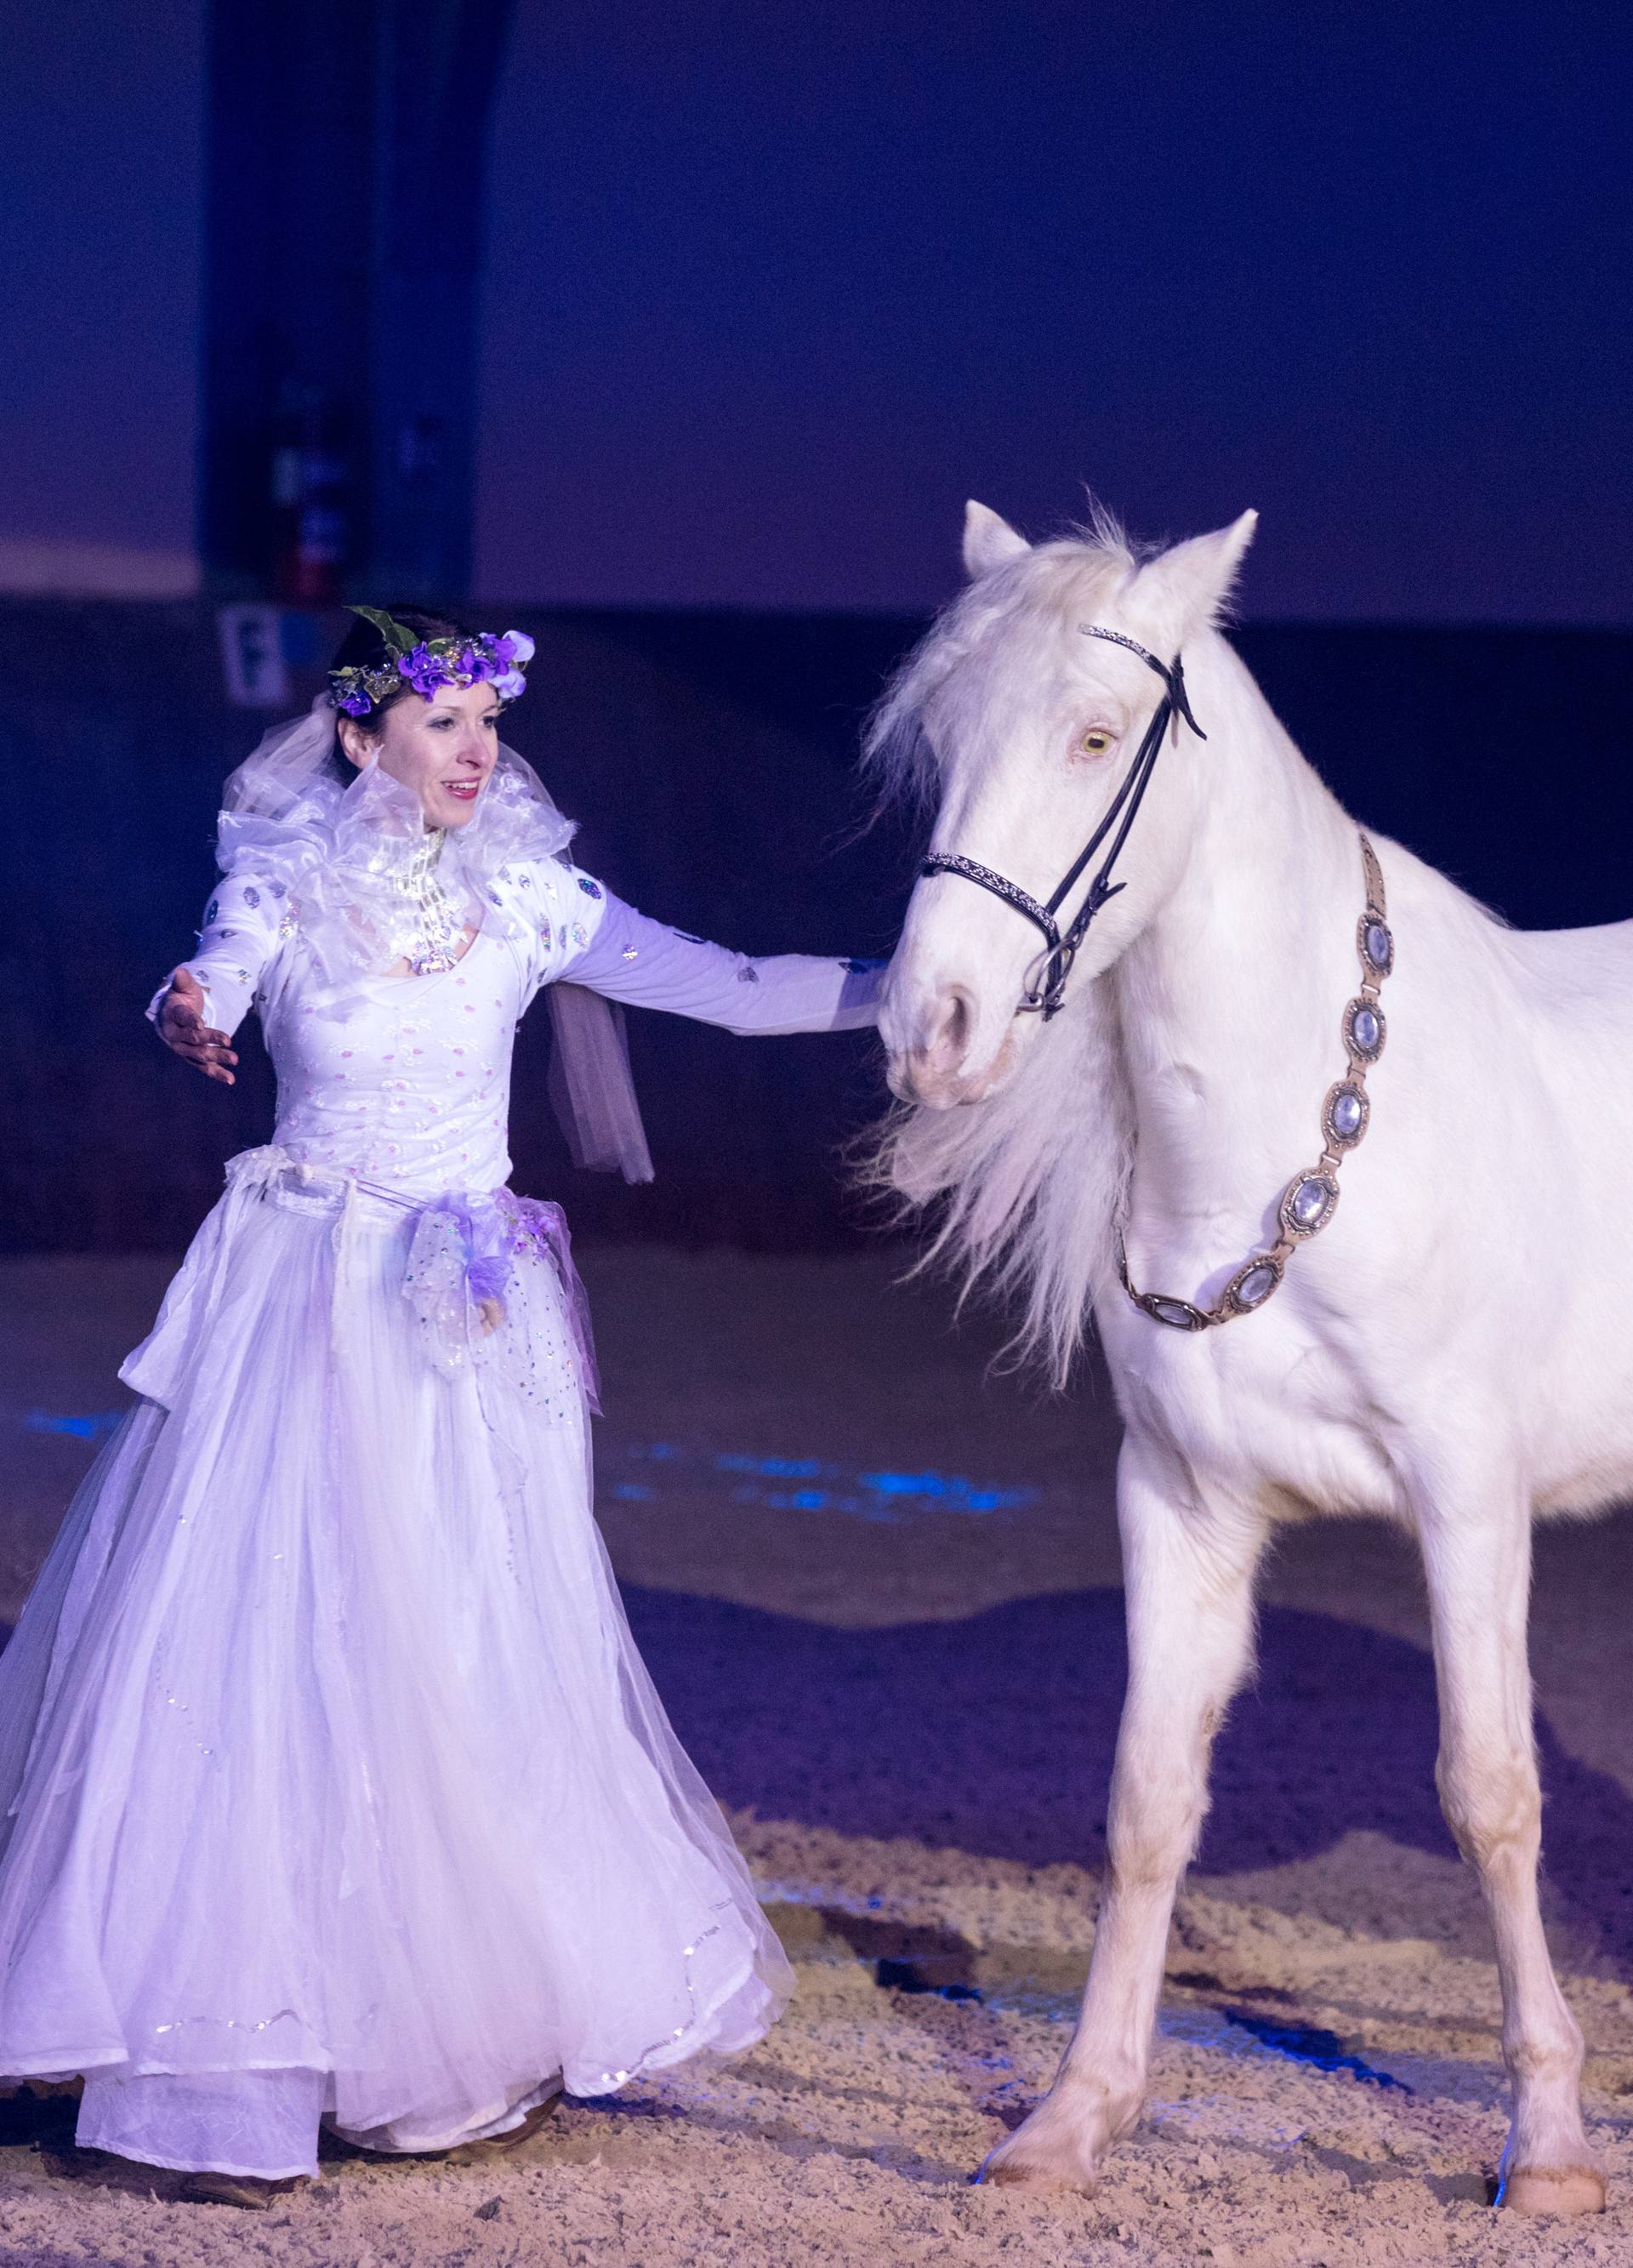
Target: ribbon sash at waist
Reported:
point(465, 1248)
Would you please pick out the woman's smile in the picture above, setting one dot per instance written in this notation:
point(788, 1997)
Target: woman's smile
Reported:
point(458, 724)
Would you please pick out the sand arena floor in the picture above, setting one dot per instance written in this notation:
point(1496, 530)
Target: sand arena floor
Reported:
point(878, 1593)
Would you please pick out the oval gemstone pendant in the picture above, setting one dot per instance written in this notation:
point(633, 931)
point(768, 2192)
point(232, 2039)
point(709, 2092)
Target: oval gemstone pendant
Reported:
point(1365, 1030)
point(1179, 1314)
point(1345, 1113)
point(1307, 1204)
point(1375, 942)
point(1252, 1284)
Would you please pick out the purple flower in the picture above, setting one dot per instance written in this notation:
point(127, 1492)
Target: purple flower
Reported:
point(425, 671)
point(482, 660)
point(485, 1278)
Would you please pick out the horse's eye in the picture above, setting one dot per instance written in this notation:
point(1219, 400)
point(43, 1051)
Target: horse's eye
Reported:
point(1095, 741)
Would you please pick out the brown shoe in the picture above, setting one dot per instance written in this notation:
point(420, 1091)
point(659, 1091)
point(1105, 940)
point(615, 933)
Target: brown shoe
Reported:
point(249, 2192)
point(497, 2146)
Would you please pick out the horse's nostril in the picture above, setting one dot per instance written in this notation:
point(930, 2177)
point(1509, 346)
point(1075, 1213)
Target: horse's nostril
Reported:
point(953, 1032)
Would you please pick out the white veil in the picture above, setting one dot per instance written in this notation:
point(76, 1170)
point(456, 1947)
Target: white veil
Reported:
point(295, 814)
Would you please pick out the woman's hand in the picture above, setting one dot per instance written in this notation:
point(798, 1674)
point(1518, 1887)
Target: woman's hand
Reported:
point(182, 1028)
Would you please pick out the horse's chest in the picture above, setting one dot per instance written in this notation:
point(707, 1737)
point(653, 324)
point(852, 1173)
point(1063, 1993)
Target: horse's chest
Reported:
point(1285, 1423)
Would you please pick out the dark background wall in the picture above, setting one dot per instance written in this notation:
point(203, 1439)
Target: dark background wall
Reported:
point(769, 291)
point(711, 759)
point(765, 294)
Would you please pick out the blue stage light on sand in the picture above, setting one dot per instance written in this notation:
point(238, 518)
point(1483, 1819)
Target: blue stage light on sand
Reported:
point(1308, 2044)
point(774, 1468)
point(881, 1498)
point(91, 1428)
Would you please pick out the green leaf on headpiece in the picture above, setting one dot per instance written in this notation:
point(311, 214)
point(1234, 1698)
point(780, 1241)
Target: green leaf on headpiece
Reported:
point(398, 640)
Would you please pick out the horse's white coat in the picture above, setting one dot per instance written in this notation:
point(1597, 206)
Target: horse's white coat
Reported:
point(1452, 1353)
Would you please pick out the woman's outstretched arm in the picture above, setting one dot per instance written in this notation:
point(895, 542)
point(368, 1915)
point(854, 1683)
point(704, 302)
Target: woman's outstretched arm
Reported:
point(202, 1001)
point(629, 957)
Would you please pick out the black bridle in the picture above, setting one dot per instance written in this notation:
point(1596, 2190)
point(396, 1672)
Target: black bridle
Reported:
point(1045, 993)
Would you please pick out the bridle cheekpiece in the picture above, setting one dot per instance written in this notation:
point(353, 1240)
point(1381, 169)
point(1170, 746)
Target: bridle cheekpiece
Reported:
point(1046, 979)
point(1310, 1199)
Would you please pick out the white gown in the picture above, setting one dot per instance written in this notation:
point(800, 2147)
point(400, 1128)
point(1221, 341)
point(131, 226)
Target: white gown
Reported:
point(332, 1784)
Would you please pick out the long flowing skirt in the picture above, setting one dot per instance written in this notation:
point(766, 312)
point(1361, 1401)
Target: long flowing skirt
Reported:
point(332, 1784)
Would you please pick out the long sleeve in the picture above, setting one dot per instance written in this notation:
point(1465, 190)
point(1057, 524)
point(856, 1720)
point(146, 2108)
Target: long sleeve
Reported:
point(629, 958)
point(244, 924)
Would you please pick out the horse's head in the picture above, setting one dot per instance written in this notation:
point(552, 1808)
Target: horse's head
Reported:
point(1021, 729)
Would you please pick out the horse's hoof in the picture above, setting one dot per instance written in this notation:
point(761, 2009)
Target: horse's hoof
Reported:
point(1033, 2168)
point(1552, 2189)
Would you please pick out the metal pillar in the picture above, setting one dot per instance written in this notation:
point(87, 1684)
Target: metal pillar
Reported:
point(345, 189)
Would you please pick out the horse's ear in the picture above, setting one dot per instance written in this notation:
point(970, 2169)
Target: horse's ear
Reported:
point(1189, 585)
point(990, 541)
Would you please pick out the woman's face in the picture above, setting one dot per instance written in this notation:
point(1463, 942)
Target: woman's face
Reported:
point(443, 748)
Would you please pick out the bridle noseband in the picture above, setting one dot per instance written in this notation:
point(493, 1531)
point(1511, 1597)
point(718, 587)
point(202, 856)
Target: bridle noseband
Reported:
point(1046, 985)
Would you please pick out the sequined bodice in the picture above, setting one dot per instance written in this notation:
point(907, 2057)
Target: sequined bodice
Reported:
point(439, 924)
point(406, 1081)
point(403, 1080)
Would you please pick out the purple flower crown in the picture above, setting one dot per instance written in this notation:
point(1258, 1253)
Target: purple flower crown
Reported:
point(427, 664)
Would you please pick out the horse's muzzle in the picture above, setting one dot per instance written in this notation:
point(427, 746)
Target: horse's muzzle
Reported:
point(933, 1067)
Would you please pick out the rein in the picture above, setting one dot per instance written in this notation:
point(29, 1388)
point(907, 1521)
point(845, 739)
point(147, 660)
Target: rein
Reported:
point(1046, 986)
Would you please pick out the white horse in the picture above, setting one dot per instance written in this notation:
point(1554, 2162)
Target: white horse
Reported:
point(1452, 1350)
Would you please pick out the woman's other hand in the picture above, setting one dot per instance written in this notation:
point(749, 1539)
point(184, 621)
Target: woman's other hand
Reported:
point(182, 1028)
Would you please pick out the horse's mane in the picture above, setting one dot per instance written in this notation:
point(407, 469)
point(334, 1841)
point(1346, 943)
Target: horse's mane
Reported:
point(1029, 600)
point(1022, 1191)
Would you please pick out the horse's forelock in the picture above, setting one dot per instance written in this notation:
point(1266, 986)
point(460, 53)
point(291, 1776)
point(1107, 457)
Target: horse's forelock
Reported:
point(1007, 618)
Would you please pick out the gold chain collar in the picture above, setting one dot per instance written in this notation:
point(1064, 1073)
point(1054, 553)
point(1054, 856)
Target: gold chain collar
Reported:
point(1310, 1199)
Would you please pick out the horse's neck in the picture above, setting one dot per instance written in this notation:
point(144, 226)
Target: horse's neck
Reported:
point(1230, 1001)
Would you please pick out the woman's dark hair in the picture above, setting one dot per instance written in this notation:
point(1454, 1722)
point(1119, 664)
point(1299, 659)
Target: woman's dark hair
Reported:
point(362, 647)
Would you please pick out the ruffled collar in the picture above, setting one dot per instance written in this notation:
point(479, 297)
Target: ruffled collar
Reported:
point(346, 853)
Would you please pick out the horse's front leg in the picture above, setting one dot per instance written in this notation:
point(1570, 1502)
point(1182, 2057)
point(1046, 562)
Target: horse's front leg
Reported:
point(1188, 1573)
point(1477, 1557)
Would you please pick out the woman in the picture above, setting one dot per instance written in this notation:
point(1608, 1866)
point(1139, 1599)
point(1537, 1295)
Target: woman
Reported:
point(332, 1787)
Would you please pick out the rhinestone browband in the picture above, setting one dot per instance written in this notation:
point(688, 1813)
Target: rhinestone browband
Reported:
point(1310, 1199)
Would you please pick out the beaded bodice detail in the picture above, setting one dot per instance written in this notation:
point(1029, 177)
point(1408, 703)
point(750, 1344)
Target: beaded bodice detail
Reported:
point(440, 924)
point(403, 1080)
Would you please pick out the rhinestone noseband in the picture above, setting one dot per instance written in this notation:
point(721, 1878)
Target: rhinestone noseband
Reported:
point(1046, 983)
point(1310, 1199)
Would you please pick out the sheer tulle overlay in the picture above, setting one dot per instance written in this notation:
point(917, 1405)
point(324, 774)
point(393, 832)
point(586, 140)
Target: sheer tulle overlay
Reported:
point(333, 1786)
